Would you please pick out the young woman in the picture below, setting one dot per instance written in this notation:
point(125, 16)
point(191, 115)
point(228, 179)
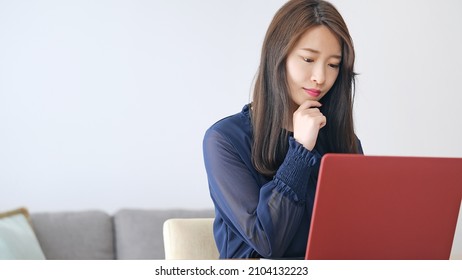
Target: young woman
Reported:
point(262, 163)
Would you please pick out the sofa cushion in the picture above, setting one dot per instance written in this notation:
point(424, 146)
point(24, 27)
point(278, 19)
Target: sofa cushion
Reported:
point(83, 235)
point(139, 232)
point(17, 238)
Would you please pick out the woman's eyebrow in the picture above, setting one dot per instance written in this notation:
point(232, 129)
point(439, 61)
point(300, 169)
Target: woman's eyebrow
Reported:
point(317, 52)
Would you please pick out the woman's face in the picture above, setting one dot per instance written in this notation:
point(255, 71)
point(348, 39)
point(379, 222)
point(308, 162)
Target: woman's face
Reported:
point(313, 65)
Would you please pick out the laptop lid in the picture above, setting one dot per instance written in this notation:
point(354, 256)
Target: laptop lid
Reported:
point(384, 207)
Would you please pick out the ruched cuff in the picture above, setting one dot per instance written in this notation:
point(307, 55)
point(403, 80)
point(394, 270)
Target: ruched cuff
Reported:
point(293, 175)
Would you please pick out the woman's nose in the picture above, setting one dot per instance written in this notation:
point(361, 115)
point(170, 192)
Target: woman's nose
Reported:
point(318, 75)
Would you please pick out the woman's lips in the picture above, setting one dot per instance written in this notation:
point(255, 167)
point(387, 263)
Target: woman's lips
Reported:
point(312, 91)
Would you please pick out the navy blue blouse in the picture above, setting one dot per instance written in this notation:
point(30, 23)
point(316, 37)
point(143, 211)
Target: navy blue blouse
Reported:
point(257, 216)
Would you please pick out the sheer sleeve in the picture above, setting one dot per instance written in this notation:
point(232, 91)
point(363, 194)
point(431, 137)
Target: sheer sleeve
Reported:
point(265, 216)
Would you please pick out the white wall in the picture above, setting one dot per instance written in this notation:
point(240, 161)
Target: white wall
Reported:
point(409, 58)
point(103, 104)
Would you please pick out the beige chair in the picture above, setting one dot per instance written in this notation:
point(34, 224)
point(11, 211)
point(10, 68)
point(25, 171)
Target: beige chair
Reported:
point(189, 239)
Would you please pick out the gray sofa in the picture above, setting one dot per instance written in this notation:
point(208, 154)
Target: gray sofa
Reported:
point(129, 234)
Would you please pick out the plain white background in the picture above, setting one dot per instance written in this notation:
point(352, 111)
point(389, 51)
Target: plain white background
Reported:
point(104, 104)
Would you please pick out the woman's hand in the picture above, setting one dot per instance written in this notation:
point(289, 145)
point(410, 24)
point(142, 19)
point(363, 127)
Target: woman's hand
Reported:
point(307, 121)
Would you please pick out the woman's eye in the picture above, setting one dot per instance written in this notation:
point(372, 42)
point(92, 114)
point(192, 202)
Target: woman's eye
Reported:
point(308, 59)
point(335, 66)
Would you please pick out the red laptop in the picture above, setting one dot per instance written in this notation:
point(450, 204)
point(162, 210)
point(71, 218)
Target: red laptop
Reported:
point(384, 207)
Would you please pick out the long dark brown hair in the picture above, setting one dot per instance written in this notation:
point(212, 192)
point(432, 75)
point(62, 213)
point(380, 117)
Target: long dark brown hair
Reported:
point(271, 100)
